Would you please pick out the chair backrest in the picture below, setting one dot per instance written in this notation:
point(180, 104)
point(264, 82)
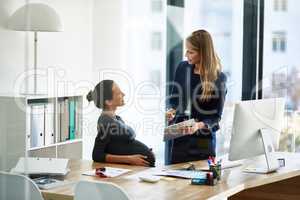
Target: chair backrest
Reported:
point(18, 187)
point(99, 190)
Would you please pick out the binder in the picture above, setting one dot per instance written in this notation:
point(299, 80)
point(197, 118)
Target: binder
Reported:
point(49, 123)
point(64, 120)
point(37, 121)
point(58, 132)
point(78, 112)
point(72, 106)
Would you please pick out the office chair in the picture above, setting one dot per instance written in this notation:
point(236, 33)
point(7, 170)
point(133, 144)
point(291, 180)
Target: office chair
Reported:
point(18, 187)
point(99, 190)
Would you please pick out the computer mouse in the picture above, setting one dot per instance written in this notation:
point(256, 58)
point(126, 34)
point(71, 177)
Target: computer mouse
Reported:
point(149, 178)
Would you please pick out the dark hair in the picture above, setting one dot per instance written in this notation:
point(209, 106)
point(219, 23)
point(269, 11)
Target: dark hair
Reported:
point(101, 93)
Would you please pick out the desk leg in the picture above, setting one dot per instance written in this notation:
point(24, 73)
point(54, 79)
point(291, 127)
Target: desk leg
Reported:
point(288, 189)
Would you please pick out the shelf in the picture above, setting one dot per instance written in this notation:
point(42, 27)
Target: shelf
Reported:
point(56, 144)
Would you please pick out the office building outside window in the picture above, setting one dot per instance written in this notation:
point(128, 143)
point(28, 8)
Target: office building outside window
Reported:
point(280, 5)
point(224, 20)
point(281, 66)
point(143, 63)
point(279, 42)
point(156, 6)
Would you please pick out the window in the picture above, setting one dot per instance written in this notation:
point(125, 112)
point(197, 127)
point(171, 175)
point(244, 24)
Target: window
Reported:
point(156, 6)
point(284, 5)
point(276, 5)
point(228, 42)
point(279, 42)
point(280, 5)
point(156, 41)
point(143, 68)
point(281, 69)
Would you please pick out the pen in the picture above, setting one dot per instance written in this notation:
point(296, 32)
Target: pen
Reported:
point(211, 159)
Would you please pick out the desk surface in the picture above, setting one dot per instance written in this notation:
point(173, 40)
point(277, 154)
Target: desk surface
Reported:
point(233, 181)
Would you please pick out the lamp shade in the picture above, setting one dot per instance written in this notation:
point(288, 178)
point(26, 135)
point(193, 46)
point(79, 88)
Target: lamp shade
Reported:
point(35, 17)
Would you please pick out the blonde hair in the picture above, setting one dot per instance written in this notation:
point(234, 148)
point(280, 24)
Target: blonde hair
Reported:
point(202, 42)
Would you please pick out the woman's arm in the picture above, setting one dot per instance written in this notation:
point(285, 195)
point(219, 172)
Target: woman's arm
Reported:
point(176, 95)
point(136, 159)
point(101, 142)
point(212, 124)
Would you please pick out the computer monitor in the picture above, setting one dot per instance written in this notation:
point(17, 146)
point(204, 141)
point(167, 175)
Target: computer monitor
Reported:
point(257, 125)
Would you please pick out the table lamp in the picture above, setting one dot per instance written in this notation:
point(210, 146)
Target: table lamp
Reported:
point(35, 17)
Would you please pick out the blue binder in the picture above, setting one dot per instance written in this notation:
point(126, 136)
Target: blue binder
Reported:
point(72, 105)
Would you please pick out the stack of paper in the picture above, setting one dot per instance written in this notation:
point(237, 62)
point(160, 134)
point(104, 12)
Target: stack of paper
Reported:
point(173, 131)
point(109, 172)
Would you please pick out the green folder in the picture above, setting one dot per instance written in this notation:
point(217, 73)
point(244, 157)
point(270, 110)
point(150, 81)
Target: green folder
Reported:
point(72, 105)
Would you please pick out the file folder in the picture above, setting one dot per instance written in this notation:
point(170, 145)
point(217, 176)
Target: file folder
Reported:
point(58, 132)
point(37, 121)
point(72, 106)
point(49, 123)
point(64, 125)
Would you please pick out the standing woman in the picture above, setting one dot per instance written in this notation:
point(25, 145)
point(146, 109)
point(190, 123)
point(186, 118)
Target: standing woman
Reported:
point(198, 92)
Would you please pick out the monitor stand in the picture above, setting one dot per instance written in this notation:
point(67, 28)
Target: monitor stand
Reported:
point(271, 160)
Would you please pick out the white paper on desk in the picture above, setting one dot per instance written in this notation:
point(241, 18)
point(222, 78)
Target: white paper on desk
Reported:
point(172, 132)
point(109, 172)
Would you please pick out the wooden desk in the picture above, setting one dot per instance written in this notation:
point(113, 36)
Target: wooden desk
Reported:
point(234, 184)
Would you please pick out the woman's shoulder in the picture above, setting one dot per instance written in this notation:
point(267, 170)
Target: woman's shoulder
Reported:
point(183, 66)
point(222, 77)
point(104, 119)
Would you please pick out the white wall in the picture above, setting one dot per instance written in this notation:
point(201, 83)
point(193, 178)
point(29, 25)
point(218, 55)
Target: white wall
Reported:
point(12, 48)
point(107, 31)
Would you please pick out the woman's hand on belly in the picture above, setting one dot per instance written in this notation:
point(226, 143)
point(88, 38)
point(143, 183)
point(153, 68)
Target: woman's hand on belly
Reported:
point(138, 159)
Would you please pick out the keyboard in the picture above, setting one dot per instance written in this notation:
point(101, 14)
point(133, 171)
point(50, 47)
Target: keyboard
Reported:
point(230, 164)
point(188, 174)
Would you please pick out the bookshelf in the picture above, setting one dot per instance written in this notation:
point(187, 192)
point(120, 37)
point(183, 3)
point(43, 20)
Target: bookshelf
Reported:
point(62, 136)
point(40, 127)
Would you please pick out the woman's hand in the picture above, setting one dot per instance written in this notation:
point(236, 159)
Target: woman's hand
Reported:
point(138, 159)
point(190, 130)
point(170, 114)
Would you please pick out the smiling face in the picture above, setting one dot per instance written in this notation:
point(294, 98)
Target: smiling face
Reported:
point(117, 97)
point(193, 56)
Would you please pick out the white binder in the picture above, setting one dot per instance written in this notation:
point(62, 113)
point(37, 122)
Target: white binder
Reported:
point(43, 166)
point(49, 123)
point(64, 123)
point(37, 121)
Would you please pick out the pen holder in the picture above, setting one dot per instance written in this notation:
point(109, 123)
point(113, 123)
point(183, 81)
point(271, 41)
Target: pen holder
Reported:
point(216, 170)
